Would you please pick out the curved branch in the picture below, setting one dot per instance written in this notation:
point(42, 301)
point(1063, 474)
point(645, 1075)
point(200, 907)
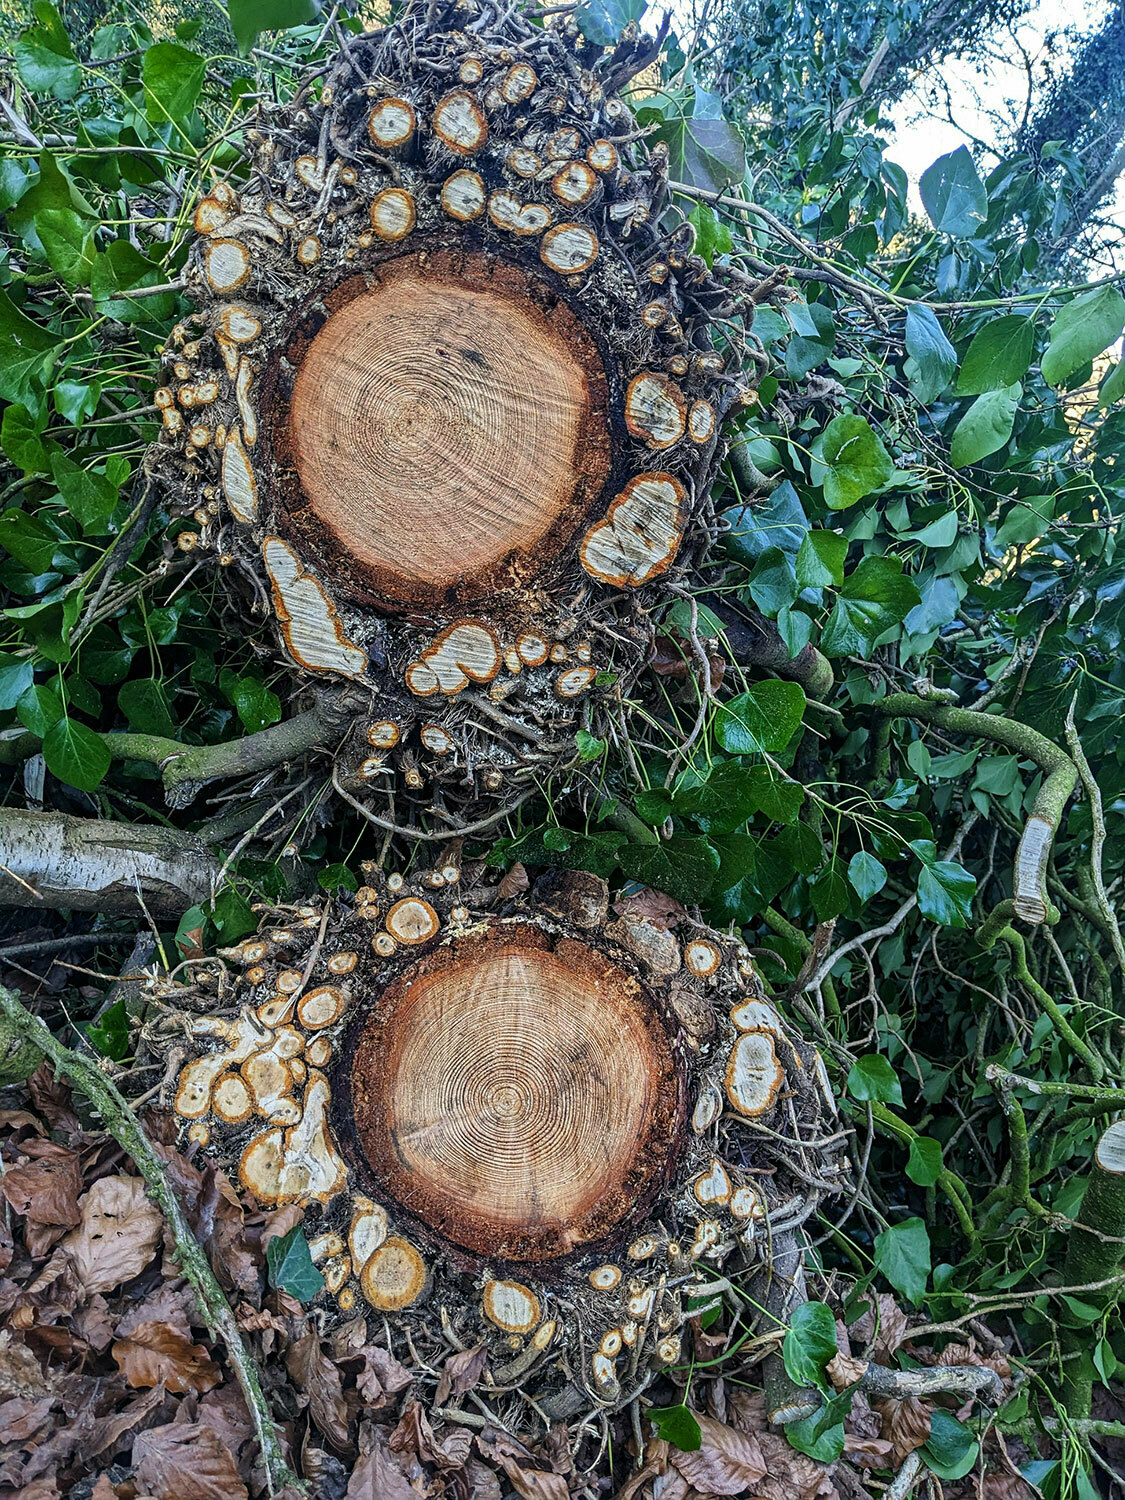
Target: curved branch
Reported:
point(1060, 777)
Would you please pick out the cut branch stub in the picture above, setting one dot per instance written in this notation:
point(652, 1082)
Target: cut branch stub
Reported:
point(425, 385)
point(511, 1119)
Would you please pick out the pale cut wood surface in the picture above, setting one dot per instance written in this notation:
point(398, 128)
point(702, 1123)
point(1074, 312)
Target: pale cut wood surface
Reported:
point(439, 426)
point(512, 1098)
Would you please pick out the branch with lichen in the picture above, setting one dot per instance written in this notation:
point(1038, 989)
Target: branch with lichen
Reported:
point(17, 1023)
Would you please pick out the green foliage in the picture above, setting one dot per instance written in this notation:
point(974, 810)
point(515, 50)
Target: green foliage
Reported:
point(290, 1265)
point(677, 1425)
point(953, 194)
point(902, 1254)
point(810, 1342)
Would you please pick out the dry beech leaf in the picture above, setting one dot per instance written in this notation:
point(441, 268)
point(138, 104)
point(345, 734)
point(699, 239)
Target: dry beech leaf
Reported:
point(727, 1462)
point(378, 1477)
point(38, 1489)
point(892, 1329)
point(1006, 1487)
point(45, 1188)
point(483, 1483)
point(186, 1461)
point(51, 1097)
point(158, 1354)
point(21, 1417)
point(460, 1373)
point(383, 1376)
point(117, 1236)
point(515, 881)
point(319, 1378)
point(650, 906)
point(843, 1371)
point(103, 1490)
point(906, 1424)
point(20, 1372)
point(791, 1475)
point(962, 1354)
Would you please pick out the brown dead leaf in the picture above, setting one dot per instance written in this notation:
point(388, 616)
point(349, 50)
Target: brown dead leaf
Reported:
point(650, 906)
point(281, 1221)
point(727, 1462)
point(906, 1424)
point(378, 1477)
point(51, 1097)
point(791, 1475)
point(1006, 1487)
point(103, 1490)
point(382, 1377)
point(319, 1379)
point(22, 1417)
point(415, 1435)
point(891, 1331)
point(513, 882)
point(482, 1481)
point(186, 1461)
point(843, 1371)
point(45, 1186)
point(656, 1463)
point(117, 1236)
point(38, 1489)
point(158, 1354)
point(20, 1374)
point(964, 1354)
point(460, 1373)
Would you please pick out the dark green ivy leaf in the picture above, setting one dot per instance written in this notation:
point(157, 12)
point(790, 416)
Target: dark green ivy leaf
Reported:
point(683, 867)
point(76, 754)
point(762, 720)
point(810, 1342)
point(290, 1265)
point(945, 893)
point(109, 1035)
point(851, 460)
point(678, 1426)
point(934, 357)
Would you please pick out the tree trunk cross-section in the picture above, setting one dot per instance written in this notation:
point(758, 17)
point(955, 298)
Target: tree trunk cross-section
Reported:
point(451, 403)
point(519, 1100)
point(507, 1122)
point(448, 427)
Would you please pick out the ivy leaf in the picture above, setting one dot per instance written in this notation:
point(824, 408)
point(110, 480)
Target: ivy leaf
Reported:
point(290, 1265)
point(762, 720)
point(1113, 386)
point(249, 17)
point(902, 1254)
point(867, 874)
point(820, 560)
point(232, 915)
point(89, 497)
point(924, 1164)
point(257, 707)
point(821, 1436)
point(173, 77)
point(998, 356)
point(68, 243)
point(110, 1034)
point(21, 441)
point(39, 709)
point(120, 269)
point(986, 426)
point(45, 58)
point(733, 792)
point(951, 1449)
point(712, 237)
point(875, 596)
point(678, 1426)
point(810, 1342)
point(953, 194)
point(751, 873)
point(779, 522)
point(683, 867)
point(773, 583)
point(851, 461)
point(1081, 330)
point(16, 677)
point(144, 703)
point(945, 893)
point(590, 747)
point(873, 1078)
point(829, 892)
point(76, 754)
point(935, 358)
point(337, 878)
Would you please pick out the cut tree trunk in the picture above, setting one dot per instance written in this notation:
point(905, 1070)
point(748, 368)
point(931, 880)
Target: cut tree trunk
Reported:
point(451, 398)
point(507, 1122)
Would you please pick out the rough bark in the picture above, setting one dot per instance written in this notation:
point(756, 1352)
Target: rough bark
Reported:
point(509, 1119)
point(50, 859)
point(449, 408)
point(1094, 1253)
